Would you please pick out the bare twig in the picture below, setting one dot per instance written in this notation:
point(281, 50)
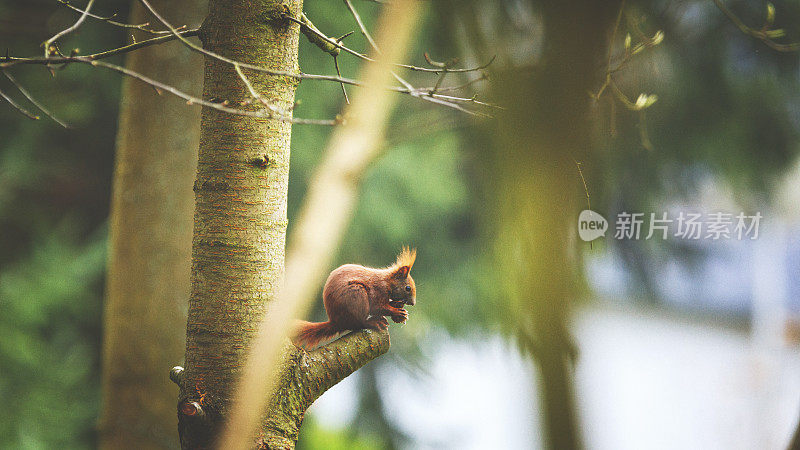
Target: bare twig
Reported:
point(361, 26)
point(765, 34)
point(196, 100)
point(272, 108)
point(53, 57)
point(109, 20)
point(33, 100)
point(339, 74)
point(50, 44)
point(322, 41)
point(360, 55)
point(472, 100)
point(19, 108)
point(445, 66)
point(9, 61)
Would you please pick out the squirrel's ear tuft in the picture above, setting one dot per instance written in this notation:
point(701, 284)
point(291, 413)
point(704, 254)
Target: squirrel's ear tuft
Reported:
point(406, 258)
point(401, 272)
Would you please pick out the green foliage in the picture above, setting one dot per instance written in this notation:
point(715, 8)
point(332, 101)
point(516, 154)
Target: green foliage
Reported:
point(54, 192)
point(315, 436)
point(49, 333)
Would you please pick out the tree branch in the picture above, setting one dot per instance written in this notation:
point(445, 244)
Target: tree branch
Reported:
point(304, 377)
point(10, 61)
point(109, 20)
point(50, 44)
point(765, 34)
point(30, 98)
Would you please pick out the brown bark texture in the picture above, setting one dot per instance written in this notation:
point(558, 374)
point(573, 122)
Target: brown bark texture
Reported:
point(150, 240)
point(240, 204)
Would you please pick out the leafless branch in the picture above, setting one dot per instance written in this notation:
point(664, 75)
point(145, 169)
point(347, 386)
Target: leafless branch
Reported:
point(766, 34)
point(190, 99)
point(339, 74)
point(109, 20)
point(360, 55)
point(53, 57)
point(9, 61)
point(50, 45)
point(19, 108)
point(361, 26)
point(30, 98)
point(428, 94)
point(256, 96)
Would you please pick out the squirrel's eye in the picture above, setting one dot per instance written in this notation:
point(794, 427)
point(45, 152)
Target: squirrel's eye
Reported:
point(408, 288)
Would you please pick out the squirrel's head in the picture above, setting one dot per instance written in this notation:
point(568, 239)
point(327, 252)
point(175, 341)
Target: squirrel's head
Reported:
point(402, 285)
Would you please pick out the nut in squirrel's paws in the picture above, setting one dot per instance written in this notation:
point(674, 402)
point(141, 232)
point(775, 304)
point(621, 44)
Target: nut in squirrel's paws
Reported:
point(402, 314)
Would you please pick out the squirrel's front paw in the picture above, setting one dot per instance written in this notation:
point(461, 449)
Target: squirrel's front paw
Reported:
point(378, 323)
point(400, 317)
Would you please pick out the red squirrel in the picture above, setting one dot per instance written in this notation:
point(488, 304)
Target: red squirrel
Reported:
point(358, 297)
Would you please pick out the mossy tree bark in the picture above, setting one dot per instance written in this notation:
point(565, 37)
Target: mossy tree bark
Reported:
point(150, 241)
point(239, 234)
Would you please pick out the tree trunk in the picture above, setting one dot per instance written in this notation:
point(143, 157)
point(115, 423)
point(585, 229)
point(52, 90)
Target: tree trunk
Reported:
point(538, 192)
point(240, 216)
point(150, 241)
point(239, 235)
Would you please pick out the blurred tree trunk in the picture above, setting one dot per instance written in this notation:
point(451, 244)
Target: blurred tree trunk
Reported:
point(547, 130)
point(150, 240)
point(536, 193)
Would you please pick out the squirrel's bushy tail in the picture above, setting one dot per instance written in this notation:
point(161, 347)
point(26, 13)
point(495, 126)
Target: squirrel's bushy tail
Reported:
point(308, 335)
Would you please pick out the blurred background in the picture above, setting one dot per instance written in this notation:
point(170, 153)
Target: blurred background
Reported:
point(677, 343)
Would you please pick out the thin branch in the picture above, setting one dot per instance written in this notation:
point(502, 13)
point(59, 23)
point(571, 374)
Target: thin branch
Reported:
point(108, 19)
point(217, 56)
point(10, 61)
point(360, 55)
point(432, 95)
point(445, 66)
point(765, 34)
point(435, 99)
point(50, 44)
point(33, 100)
point(196, 100)
point(339, 74)
point(472, 100)
point(272, 108)
point(361, 26)
point(441, 69)
point(322, 41)
point(19, 108)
